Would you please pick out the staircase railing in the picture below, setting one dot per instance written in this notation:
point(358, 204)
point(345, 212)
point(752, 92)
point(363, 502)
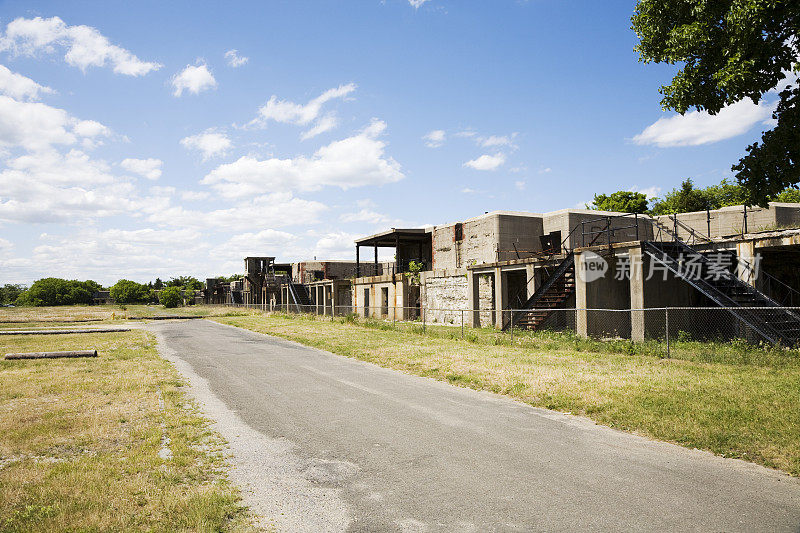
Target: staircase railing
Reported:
point(294, 295)
point(559, 272)
point(760, 326)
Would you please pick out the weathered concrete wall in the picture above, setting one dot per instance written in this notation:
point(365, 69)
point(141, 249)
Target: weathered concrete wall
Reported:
point(444, 294)
point(486, 298)
point(593, 223)
point(401, 295)
point(309, 271)
point(486, 239)
point(729, 221)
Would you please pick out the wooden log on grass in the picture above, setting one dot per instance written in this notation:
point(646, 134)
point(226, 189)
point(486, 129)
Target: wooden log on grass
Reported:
point(51, 355)
point(60, 331)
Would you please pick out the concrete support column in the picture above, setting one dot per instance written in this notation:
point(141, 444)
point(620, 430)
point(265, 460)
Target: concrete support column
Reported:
point(746, 251)
point(581, 293)
point(530, 275)
point(499, 289)
point(473, 300)
point(400, 301)
point(637, 294)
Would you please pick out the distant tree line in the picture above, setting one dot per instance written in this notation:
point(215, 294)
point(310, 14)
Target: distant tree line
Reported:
point(684, 199)
point(57, 291)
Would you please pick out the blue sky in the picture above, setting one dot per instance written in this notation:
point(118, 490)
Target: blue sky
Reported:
point(159, 139)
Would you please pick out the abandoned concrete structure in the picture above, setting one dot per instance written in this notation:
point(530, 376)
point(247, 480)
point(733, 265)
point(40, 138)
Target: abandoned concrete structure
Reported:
point(583, 270)
point(483, 267)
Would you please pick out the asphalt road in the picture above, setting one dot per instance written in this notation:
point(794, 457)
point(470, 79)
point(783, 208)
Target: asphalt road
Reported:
point(327, 442)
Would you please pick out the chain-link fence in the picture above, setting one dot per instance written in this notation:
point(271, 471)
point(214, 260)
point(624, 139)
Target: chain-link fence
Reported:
point(660, 328)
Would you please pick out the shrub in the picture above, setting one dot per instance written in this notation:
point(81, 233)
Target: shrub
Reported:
point(170, 297)
point(57, 291)
point(128, 292)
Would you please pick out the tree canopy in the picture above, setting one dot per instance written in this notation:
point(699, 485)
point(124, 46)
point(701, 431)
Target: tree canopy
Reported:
point(684, 199)
point(57, 291)
point(730, 50)
point(621, 202)
point(185, 282)
point(128, 292)
point(170, 297)
point(9, 293)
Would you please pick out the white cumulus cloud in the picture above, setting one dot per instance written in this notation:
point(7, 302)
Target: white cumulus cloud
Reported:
point(194, 79)
point(147, 168)
point(234, 59)
point(210, 143)
point(416, 3)
point(288, 112)
point(434, 139)
point(85, 46)
point(699, 127)
point(352, 162)
point(487, 162)
point(20, 87)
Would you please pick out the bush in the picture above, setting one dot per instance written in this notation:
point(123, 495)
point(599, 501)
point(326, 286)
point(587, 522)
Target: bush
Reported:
point(189, 296)
point(170, 297)
point(129, 292)
point(57, 291)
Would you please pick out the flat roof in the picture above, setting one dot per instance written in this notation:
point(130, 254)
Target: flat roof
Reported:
point(390, 237)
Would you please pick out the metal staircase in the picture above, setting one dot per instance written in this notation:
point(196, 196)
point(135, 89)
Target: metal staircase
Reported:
point(299, 294)
point(759, 312)
point(551, 295)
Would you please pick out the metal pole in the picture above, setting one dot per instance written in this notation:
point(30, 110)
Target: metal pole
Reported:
point(424, 317)
point(511, 326)
point(636, 221)
point(462, 324)
point(745, 219)
point(666, 327)
point(708, 221)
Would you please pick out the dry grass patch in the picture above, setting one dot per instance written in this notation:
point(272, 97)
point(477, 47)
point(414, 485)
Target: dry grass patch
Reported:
point(732, 400)
point(83, 442)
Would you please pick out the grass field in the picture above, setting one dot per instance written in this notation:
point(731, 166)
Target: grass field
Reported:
point(105, 444)
point(731, 399)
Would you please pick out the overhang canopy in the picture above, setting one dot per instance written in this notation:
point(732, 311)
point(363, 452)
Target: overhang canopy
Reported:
point(390, 238)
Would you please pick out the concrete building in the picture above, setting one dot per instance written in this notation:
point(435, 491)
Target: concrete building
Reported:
point(483, 267)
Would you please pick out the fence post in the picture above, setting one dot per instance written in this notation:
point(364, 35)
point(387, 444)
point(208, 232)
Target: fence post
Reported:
point(511, 325)
point(666, 327)
point(424, 318)
point(462, 324)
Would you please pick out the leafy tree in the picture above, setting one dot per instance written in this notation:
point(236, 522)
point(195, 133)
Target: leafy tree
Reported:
point(57, 291)
point(684, 199)
point(170, 297)
point(188, 296)
point(185, 282)
point(788, 195)
point(731, 50)
point(128, 292)
point(9, 293)
point(621, 202)
point(158, 285)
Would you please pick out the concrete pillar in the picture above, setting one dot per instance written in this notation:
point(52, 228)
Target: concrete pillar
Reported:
point(581, 319)
point(472, 318)
point(746, 251)
point(499, 289)
point(530, 274)
point(637, 294)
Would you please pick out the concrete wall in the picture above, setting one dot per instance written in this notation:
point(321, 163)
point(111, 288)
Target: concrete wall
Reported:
point(729, 221)
point(589, 221)
point(402, 297)
point(309, 271)
point(444, 291)
point(487, 239)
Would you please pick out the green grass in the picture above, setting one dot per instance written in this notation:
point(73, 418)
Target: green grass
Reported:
point(80, 442)
point(729, 398)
